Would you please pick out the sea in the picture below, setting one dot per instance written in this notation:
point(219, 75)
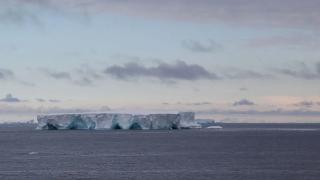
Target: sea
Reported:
point(237, 151)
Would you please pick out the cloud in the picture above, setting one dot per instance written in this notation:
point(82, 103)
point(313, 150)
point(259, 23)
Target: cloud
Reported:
point(22, 12)
point(28, 111)
point(196, 46)
point(317, 67)
point(200, 103)
point(40, 100)
point(79, 77)
point(84, 81)
point(293, 40)
point(189, 104)
point(176, 71)
point(179, 70)
point(276, 112)
point(32, 111)
point(272, 13)
point(244, 102)
point(306, 104)
point(54, 100)
point(87, 75)
point(9, 13)
point(301, 71)
point(6, 74)
point(243, 89)
point(56, 74)
point(25, 83)
point(235, 73)
point(89, 72)
point(9, 98)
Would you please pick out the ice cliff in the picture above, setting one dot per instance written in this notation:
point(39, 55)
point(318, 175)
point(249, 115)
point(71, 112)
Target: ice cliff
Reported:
point(117, 121)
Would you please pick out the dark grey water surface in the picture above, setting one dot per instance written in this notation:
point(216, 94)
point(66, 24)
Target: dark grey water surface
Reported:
point(237, 152)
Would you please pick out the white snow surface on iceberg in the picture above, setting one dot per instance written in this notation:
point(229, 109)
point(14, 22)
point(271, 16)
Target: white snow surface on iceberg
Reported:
point(117, 121)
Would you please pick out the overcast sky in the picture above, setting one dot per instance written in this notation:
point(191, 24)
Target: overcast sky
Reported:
point(230, 60)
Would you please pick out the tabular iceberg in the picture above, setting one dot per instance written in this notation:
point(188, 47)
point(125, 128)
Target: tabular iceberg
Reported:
point(117, 121)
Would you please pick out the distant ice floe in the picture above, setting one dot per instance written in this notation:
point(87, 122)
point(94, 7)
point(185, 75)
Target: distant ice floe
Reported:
point(214, 127)
point(33, 153)
point(183, 120)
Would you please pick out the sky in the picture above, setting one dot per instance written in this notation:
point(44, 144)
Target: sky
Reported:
point(228, 60)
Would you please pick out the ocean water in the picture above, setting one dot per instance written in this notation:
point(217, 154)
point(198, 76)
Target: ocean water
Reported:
point(238, 151)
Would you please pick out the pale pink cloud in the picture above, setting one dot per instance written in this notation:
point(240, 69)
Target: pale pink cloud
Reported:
point(288, 100)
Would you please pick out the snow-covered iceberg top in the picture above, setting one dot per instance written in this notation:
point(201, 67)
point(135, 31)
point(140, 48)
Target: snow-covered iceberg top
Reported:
point(117, 121)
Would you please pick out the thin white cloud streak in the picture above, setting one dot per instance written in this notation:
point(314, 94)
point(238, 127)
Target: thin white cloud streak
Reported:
point(201, 47)
point(311, 42)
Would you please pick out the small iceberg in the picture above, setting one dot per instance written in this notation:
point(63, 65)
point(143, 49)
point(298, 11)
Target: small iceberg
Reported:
point(214, 127)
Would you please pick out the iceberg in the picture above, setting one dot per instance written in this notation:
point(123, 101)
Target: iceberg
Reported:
point(187, 120)
point(110, 121)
